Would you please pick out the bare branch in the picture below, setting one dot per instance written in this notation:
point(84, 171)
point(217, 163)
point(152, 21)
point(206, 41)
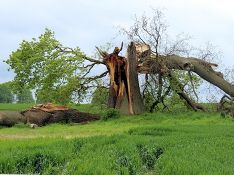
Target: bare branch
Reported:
point(94, 61)
point(121, 47)
point(102, 53)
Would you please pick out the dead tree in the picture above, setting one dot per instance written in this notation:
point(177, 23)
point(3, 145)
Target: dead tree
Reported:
point(124, 86)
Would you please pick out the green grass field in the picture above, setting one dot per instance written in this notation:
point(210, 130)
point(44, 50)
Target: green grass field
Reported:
point(170, 143)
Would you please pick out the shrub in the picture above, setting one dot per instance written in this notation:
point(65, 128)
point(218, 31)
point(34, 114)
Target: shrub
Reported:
point(125, 166)
point(148, 156)
point(111, 113)
point(100, 97)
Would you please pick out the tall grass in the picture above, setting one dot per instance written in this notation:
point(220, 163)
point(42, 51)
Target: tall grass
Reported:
point(180, 144)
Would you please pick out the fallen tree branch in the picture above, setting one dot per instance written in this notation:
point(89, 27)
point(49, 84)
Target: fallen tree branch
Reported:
point(202, 68)
point(178, 88)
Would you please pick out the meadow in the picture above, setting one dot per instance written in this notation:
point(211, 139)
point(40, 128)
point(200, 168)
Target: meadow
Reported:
point(179, 143)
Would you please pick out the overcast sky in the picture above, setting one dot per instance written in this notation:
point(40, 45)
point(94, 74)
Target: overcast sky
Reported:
point(87, 23)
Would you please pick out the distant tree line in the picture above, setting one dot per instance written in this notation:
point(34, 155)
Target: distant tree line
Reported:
point(8, 94)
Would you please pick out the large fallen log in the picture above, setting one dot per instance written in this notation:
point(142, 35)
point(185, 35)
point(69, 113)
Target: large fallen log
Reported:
point(49, 113)
point(201, 67)
point(44, 114)
point(10, 118)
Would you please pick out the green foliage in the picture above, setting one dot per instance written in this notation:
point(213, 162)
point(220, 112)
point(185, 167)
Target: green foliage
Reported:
point(100, 96)
point(111, 113)
point(45, 65)
point(172, 99)
point(149, 99)
point(25, 96)
point(185, 80)
point(6, 94)
point(148, 157)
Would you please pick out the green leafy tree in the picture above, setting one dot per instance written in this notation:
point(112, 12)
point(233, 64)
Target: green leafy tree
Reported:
point(6, 94)
point(44, 64)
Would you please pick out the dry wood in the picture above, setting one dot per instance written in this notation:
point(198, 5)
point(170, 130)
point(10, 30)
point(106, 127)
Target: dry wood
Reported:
point(201, 67)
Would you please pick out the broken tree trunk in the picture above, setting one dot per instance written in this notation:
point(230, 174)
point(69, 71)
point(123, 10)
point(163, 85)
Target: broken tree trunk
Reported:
point(202, 68)
point(124, 86)
point(136, 105)
point(124, 90)
point(10, 118)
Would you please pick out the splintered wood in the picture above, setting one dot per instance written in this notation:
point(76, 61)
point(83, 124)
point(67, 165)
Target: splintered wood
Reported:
point(124, 91)
point(124, 85)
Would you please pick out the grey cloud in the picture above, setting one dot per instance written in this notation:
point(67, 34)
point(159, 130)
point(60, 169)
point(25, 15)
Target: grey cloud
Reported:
point(86, 23)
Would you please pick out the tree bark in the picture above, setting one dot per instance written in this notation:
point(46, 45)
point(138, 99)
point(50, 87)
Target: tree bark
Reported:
point(136, 105)
point(124, 90)
point(202, 68)
point(43, 114)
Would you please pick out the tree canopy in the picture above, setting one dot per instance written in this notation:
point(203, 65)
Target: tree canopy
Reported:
point(48, 67)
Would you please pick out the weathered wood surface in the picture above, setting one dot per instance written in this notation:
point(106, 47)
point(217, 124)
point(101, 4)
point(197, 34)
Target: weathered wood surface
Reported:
point(124, 91)
point(44, 114)
point(136, 105)
point(202, 68)
point(10, 118)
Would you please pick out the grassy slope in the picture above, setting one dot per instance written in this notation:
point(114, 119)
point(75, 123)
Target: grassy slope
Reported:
point(15, 107)
point(189, 143)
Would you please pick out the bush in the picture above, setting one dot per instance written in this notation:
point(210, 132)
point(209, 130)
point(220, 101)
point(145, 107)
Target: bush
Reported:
point(100, 97)
point(148, 156)
point(111, 113)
